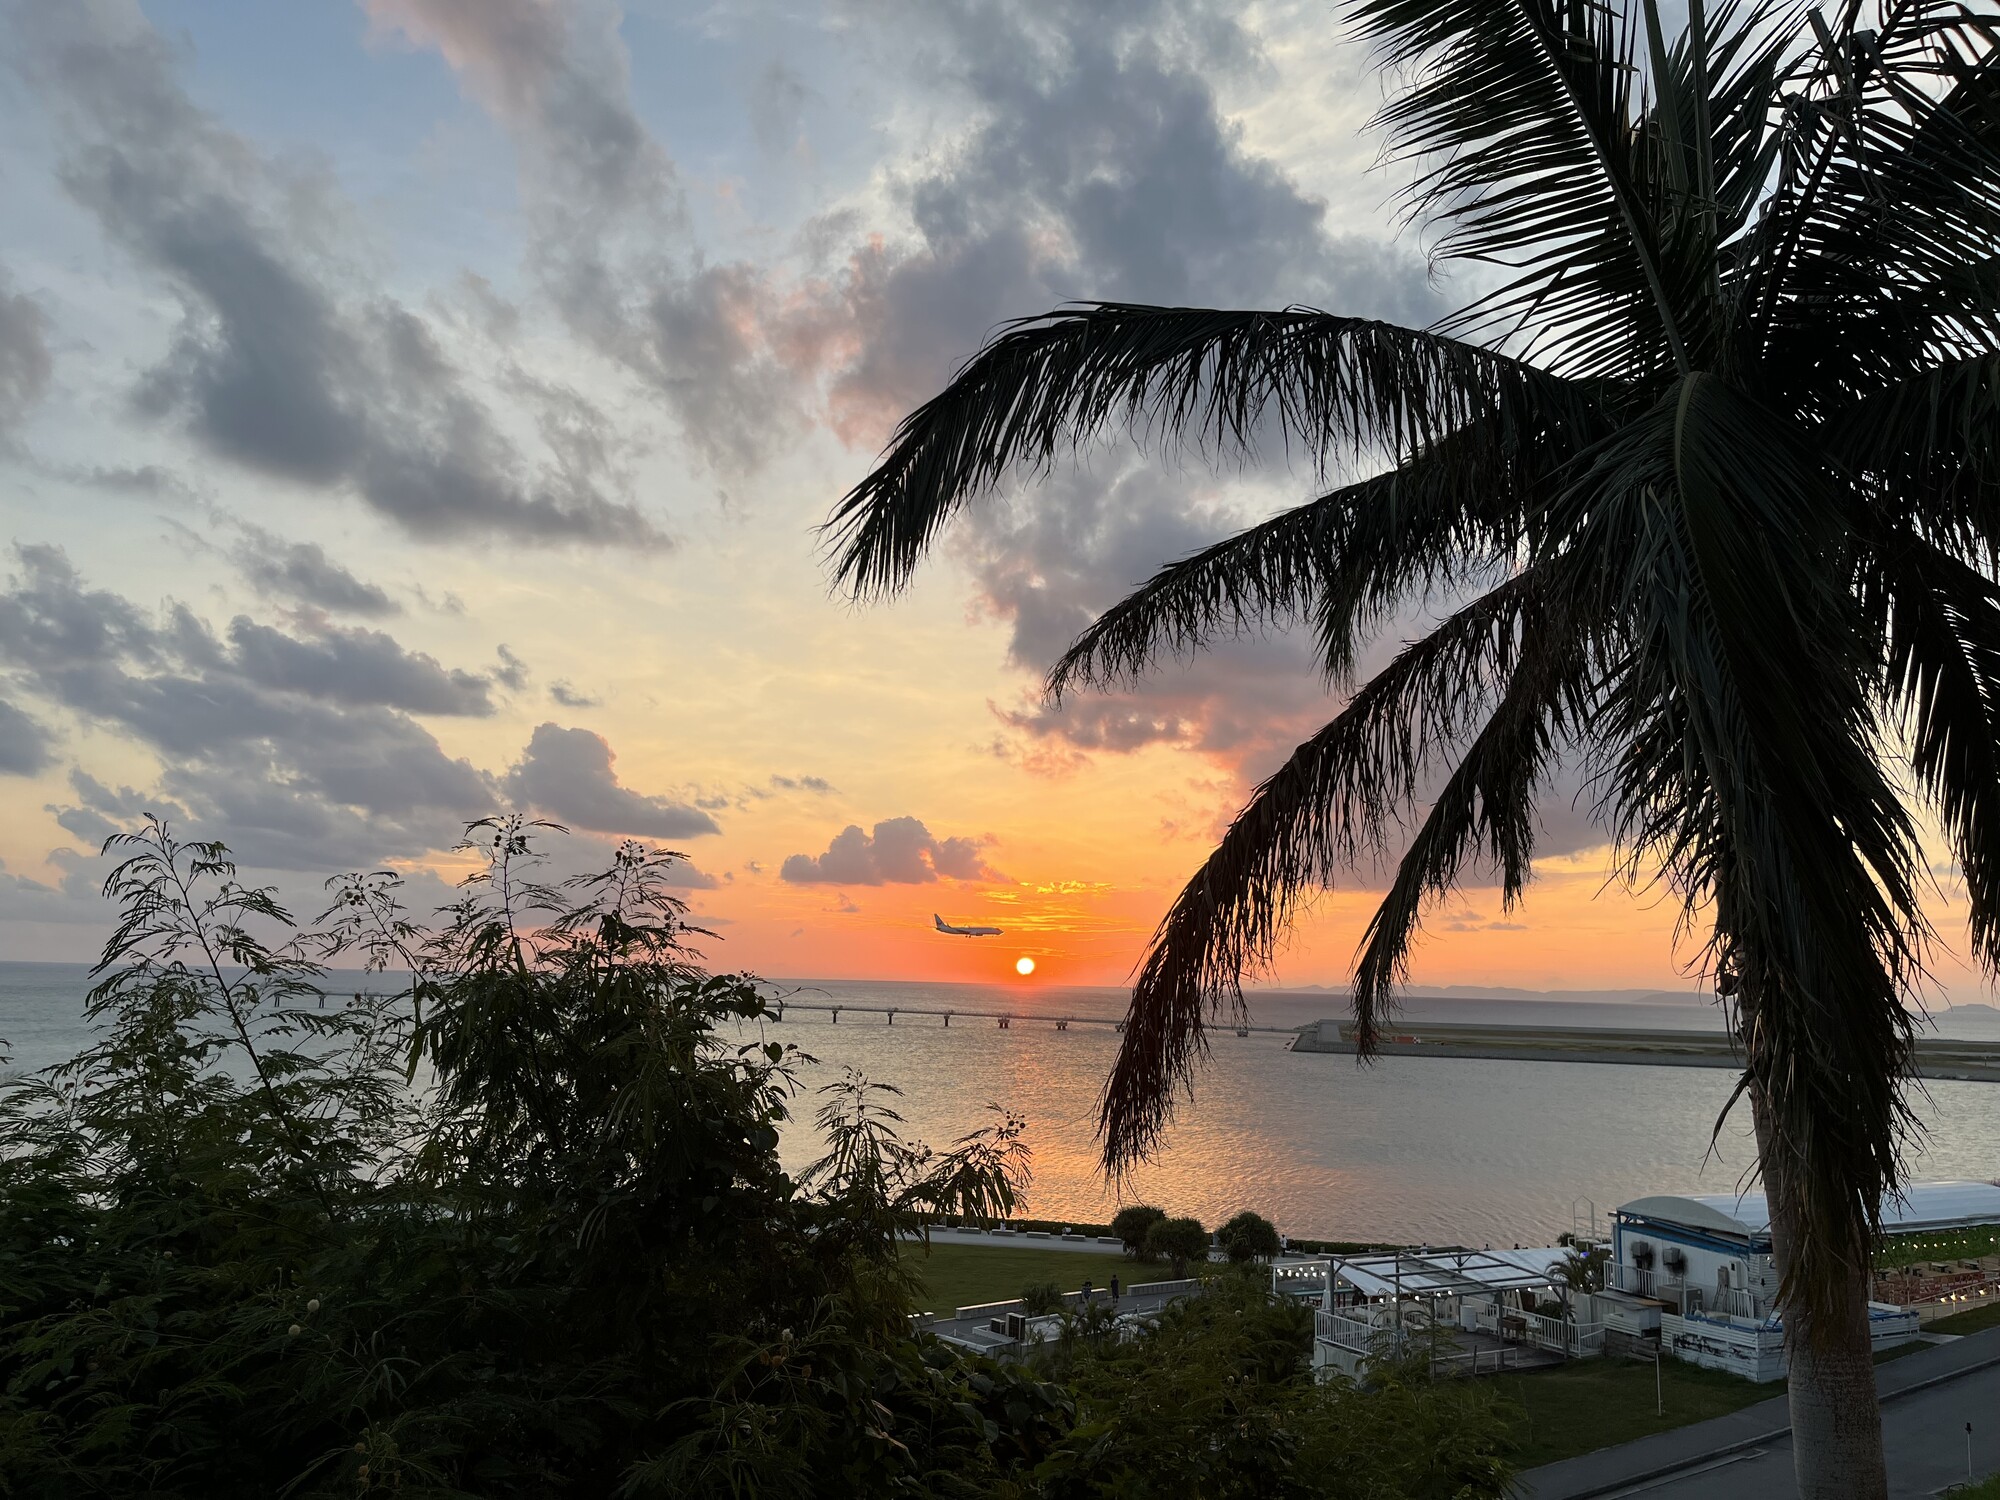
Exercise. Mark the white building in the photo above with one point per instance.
(1706, 1260)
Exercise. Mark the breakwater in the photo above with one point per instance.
(1936, 1057)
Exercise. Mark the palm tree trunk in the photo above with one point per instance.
(1836, 1418)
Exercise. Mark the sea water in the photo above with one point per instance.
(1444, 1150)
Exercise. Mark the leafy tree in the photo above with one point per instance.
(1248, 1236)
(1131, 1223)
(1710, 488)
(518, 1230)
(1218, 1401)
(1177, 1241)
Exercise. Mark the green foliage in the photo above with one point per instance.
(520, 1230)
(1248, 1236)
(1039, 1297)
(1131, 1224)
(1217, 1402)
(1177, 1241)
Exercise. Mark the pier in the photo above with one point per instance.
(1004, 1019)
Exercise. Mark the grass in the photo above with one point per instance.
(1592, 1404)
(1968, 1322)
(1979, 1489)
(1910, 1249)
(961, 1275)
(1579, 1408)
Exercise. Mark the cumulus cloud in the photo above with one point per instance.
(901, 851)
(25, 362)
(567, 774)
(279, 365)
(24, 743)
(302, 573)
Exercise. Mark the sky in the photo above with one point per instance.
(415, 409)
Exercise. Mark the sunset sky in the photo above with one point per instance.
(414, 408)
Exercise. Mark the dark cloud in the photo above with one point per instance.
(568, 697)
(300, 750)
(73, 899)
(276, 365)
(303, 573)
(512, 673)
(901, 851)
(25, 363)
(355, 666)
(25, 746)
(818, 785)
(567, 774)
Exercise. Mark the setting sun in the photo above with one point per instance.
(1024, 965)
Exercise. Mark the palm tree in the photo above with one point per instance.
(1712, 482)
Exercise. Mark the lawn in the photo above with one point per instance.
(961, 1275)
(1979, 1489)
(1578, 1408)
(1968, 1322)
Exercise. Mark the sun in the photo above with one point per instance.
(1024, 965)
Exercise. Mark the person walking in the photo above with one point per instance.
(1114, 1288)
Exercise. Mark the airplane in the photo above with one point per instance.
(944, 926)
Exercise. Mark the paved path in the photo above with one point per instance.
(1028, 1241)
(1928, 1397)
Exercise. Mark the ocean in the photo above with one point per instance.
(1453, 1151)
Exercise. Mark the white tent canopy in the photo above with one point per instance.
(1449, 1273)
(1924, 1207)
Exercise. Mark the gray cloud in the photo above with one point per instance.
(818, 785)
(274, 365)
(302, 572)
(1101, 167)
(607, 215)
(567, 774)
(568, 697)
(299, 749)
(25, 363)
(24, 743)
(901, 851)
(355, 666)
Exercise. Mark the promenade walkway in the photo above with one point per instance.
(1927, 1397)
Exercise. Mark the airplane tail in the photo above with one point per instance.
(939, 920)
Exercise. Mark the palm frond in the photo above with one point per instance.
(1449, 516)
(1331, 802)
(1943, 633)
(1174, 376)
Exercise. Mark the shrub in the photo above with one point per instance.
(245, 1258)
(1131, 1225)
(1248, 1236)
(1039, 1297)
(1177, 1241)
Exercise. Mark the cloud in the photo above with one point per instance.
(567, 774)
(569, 697)
(512, 673)
(277, 364)
(24, 743)
(901, 851)
(818, 785)
(25, 363)
(299, 749)
(302, 572)
(608, 217)
(1099, 165)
